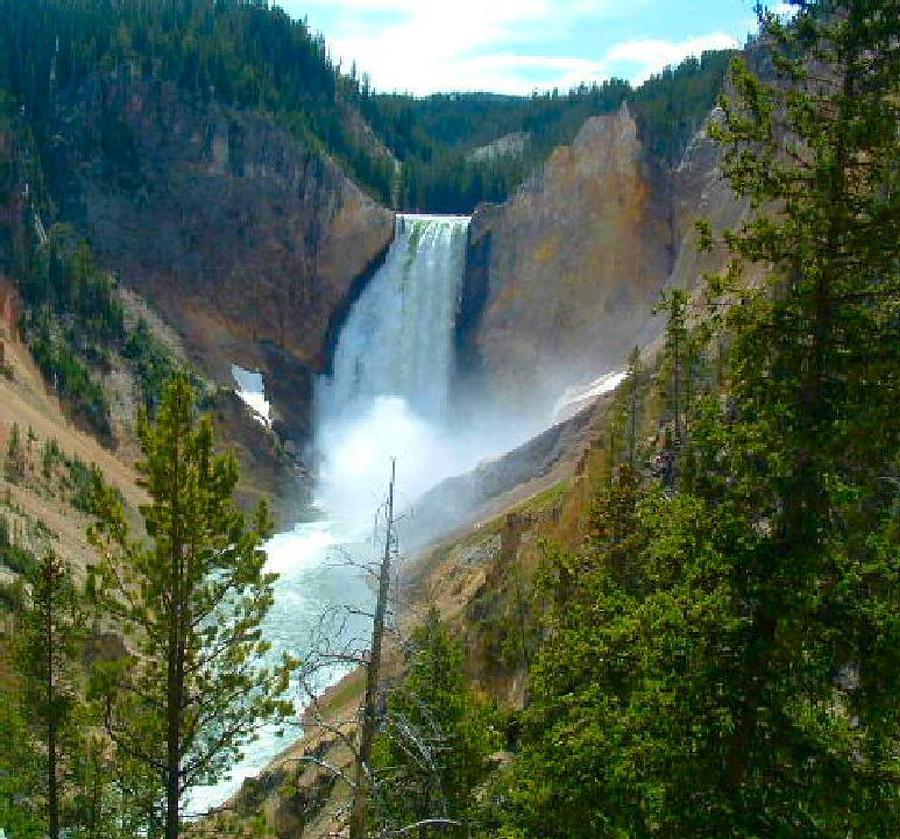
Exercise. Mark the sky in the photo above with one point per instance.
(516, 46)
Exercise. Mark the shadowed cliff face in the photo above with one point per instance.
(243, 239)
(569, 268)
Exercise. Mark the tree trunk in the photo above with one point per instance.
(632, 430)
(175, 672)
(677, 362)
(173, 765)
(362, 792)
(52, 770)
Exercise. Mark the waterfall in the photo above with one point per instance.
(398, 339)
(389, 395)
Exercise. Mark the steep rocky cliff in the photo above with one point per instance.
(569, 267)
(562, 279)
(247, 242)
(42, 498)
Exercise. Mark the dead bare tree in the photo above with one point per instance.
(362, 793)
(342, 740)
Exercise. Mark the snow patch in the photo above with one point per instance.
(252, 392)
(576, 399)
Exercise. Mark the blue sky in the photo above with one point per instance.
(514, 46)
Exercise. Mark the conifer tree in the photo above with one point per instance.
(432, 752)
(20, 773)
(48, 650)
(15, 456)
(813, 447)
(362, 794)
(722, 660)
(676, 360)
(633, 385)
(191, 597)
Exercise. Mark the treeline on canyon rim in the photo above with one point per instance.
(423, 154)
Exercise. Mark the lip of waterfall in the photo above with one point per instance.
(432, 217)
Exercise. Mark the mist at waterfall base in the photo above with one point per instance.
(390, 396)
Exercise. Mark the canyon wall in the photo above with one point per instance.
(243, 239)
(567, 269)
(562, 279)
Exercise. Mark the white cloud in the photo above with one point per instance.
(785, 9)
(650, 55)
(423, 46)
(450, 46)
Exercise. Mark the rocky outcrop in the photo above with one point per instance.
(569, 267)
(510, 145)
(698, 190)
(562, 279)
(243, 239)
(499, 484)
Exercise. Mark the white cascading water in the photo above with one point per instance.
(389, 395)
(388, 398)
(398, 339)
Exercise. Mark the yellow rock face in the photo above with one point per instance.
(577, 259)
(570, 267)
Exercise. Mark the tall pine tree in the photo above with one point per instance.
(48, 652)
(723, 660)
(191, 598)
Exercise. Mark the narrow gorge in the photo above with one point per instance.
(474, 354)
(390, 395)
(510, 455)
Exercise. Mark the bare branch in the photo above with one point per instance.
(412, 828)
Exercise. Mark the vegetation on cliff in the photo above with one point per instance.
(248, 56)
(109, 736)
(720, 657)
(438, 137)
(238, 53)
(72, 317)
(433, 753)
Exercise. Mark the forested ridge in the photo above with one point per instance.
(438, 138)
(232, 51)
(245, 55)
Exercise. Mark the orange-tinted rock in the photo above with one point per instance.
(575, 262)
(246, 241)
(562, 279)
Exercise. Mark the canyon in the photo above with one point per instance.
(480, 351)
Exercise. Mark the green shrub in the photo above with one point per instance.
(12, 557)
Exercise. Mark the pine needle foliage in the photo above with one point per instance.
(47, 650)
(191, 598)
(720, 659)
(435, 741)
